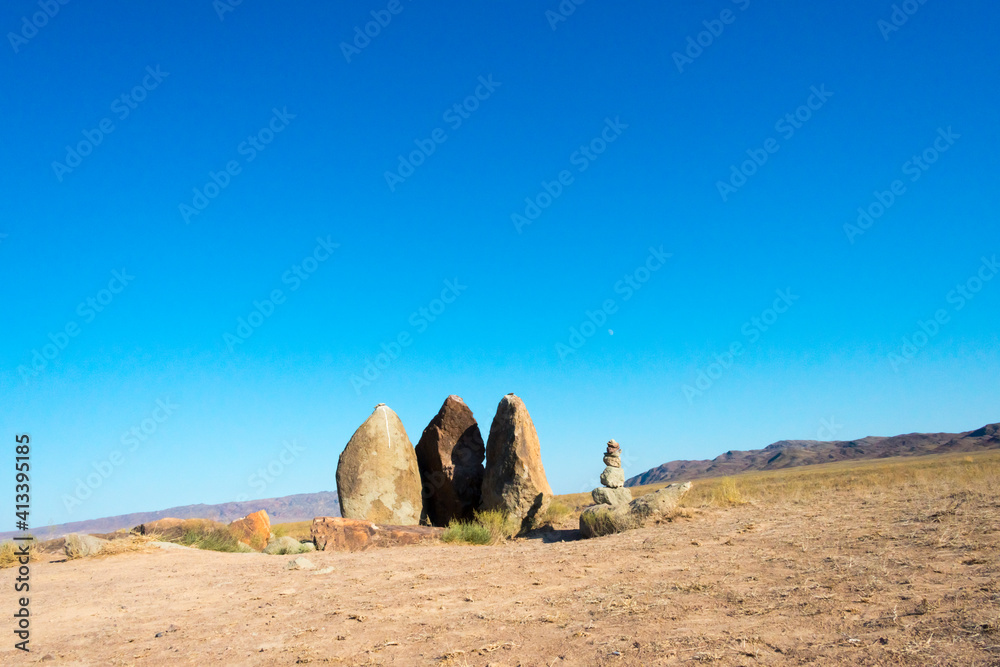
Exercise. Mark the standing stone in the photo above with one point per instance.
(377, 476)
(514, 480)
(450, 457)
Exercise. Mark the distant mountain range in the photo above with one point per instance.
(791, 453)
(300, 507)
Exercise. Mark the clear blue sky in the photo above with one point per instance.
(660, 131)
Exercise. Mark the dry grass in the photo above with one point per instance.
(929, 475)
(9, 551)
(300, 530)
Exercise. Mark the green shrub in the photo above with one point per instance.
(466, 532)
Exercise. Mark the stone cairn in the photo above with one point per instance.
(613, 492)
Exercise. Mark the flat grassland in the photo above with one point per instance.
(887, 562)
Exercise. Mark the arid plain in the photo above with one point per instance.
(887, 562)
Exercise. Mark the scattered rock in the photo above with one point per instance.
(659, 503)
(337, 534)
(325, 570)
(514, 480)
(281, 546)
(450, 458)
(81, 546)
(306, 547)
(300, 563)
(377, 474)
(172, 628)
(254, 529)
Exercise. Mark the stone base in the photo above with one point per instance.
(605, 496)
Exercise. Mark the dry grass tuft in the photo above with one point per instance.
(9, 551)
(608, 522)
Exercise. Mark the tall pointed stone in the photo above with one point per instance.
(514, 480)
(377, 476)
(450, 456)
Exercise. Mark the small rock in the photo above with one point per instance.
(306, 547)
(612, 461)
(282, 546)
(300, 563)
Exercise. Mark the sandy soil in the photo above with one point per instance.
(883, 581)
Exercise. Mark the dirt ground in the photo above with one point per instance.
(891, 579)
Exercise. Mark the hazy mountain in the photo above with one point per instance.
(300, 507)
(789, 453)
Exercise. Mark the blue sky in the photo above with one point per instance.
(614, 123)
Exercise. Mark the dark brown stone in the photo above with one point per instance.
(450, 457)
(337, 534)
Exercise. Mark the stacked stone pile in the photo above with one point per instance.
(613, 478)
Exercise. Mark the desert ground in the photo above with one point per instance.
(891, 562)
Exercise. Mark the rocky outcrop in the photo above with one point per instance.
(337, 534)
(660, 503)
(514, 480)
(450, 458)
(254, 530)
(606, 519)
(377, 475)
(613, 479)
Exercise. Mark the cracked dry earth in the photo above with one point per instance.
(888, 579)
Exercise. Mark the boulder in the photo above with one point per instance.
(612, 461)
(283, 545)
(659, 503)
(300, 563)
(514, 480)
(450, 458)
(601, 520)
(337, 534)
(81, 546)
(377, 474)
(605, 496)
(613, 478)
(254, 529)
